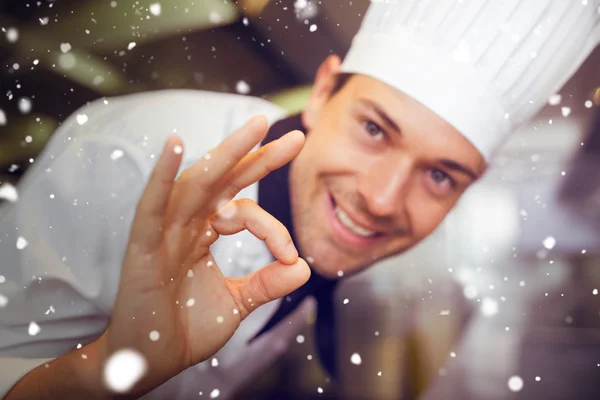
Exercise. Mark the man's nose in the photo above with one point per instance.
(384, 186)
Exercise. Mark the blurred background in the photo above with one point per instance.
(502, 302)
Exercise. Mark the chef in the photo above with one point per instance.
(392, 137)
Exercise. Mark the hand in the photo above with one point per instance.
(170, 283)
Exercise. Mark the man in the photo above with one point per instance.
(394, 136)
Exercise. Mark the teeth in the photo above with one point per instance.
(348, 223)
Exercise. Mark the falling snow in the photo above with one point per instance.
(33, 329)
(3, 301)
(549, 242)
(25, 105)
(2, 118)
(588, 104)
(489, 307)
(355, 359)
(242, 87)
(300, 339)
(214, 394)
(116, 154)
(555, 99)
(566, 111)
(154, 336)
(82, 119)
(155, 9)
(214, 362)
(515, 383)
(123, 370)
(65, 47)
(12, 35)
(21, 243)
(9, 192)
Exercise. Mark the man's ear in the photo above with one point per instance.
(321, 90)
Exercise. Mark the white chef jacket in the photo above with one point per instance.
(63, 241)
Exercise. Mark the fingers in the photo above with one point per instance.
(269, 283)
(258, 164)
(198, 182)
(246, 214)
(147, 225)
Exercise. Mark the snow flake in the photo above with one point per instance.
(220, 319)
(313, 28)
(2, 118)
(214, 362)
(595, 292)
(549, 242)
(155, 9)
(154, 336)
(9, 192)
(214, 394)
(21, 243)
(555, 99)
(33, 329)
(566, 111)
(131, 45)
(355, 359)
(588, 104)
(25, 105)
(116, 154)
(124, 369)
(489, 307)
(190, 303)
(320, 389)
(346, 301)
(65, 47)
(12, 35)
(515, 383)
(242, 87)
(215, 18)
(3, 301)
(300, 339)
(178, 149)
(82, 119)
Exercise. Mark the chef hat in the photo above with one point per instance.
(485, 66)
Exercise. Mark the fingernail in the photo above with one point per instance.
(290, 248)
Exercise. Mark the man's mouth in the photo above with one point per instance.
(347, 229)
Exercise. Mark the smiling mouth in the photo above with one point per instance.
(348, 223)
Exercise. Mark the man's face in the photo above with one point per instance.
(377, 174)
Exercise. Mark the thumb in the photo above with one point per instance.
(272, 282)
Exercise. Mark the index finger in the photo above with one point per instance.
(197, 185)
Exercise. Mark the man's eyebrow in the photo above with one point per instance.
(460, 168)
(381, 113)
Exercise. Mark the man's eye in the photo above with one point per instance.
(374, 130)
(440, 177)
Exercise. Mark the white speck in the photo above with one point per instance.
(245, 21)
(310, 260)
(34, 329)
(523, 213)
(2, 118)
(453, 355)
(67, 61)
(190, 302)
(236, 311)
(238, 244)
(470, 292)
(320, 389)
(3, 301)
(12, 35)
(65, 47)
(214, 394)
(113, 4)
(215, 18)
(79, 345)
(515, 383)
(21, 243)
(588, 104)
(209, 264)
(313, 28)
(340, 273)
(208, 233)
(379, 373)
(563, 173)
(124, 369)
(376, 333)
(555, 99)
(44, 20)
(9, 192)
(309, 357)
(300, 339)
(584, 2)
(214, 362)
(115, 155)
(131, 45)
(595, 292)
(98, 79)
(220, 319)
(242, 87)
(51, 196)
(346, 301)
(537, 379)
(522, 283)
(445, 312)
(82, 119)
(28, 139)
(489, 307)
(36, 61)
(566, 111)
(178, 149)
(507, 328)
(506, 116)
(550, 122)
(207, 156)
(355, 359)
(549, 242)
(154, 336)
(25, 105)
(155, 9)
(50, 310)
(84, 356)
(2, 279)
(583, 251)
(190, 273)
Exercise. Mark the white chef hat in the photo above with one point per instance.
(485, 66)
